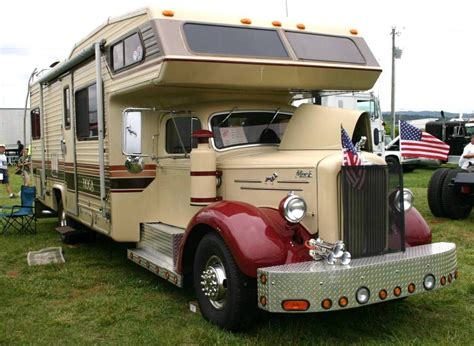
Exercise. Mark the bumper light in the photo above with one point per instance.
(326, 304)
(397, 291)
(293, 208)
(295, 305)
(362, 295)
(343, 301)
(383, 294)
(411, 288)
(429, 282)
(443, 280)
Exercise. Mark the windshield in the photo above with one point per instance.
(236, 128)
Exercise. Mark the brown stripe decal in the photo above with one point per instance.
(205, 173)
(135, 184)
(205, 200)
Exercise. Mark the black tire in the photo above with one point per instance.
(435, 188)
(453, 203)
(234, 303)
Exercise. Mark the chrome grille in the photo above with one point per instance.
(365, 209)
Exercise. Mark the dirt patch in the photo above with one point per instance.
(78, 293)
(13, 274)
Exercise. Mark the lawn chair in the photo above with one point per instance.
(20, 218)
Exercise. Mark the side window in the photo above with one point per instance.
(86, 113)
(127, 52)
(186, 126)
(67, 107)
(35, 124)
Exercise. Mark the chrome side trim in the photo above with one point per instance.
(267, 189)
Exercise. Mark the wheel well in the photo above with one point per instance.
(189, 251)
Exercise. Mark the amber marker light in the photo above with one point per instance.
(397, 291)
(450, 277)
(263, 300)
(411, 288)
(246, 21)
(263, 279)
(343, 301)
(276, 23)
(383, 294)
(301, 26)
(326, 304)
(295, 305)
(167, 13)
(354, 31)
(443, 280)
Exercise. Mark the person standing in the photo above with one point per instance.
(467, 157)
(19, 151)
(4, 171)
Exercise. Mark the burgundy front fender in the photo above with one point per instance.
(417, 231)
(256, 237)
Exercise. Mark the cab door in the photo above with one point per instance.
(68, 145)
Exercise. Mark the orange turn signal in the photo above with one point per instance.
(245, 21)
(326, 304)
(443, 280)
(411, 288)
(354, 31)
(276, 23)
(397, 291)
(343, 301)
(450, 277)
(263, 279)
(301, 26)
(383, 294)
(263, 300)
(295, 305)
(167, 13)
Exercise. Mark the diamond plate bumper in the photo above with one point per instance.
(315, 281)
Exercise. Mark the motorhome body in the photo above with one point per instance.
(224, 181)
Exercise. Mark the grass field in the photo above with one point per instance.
(98, 296)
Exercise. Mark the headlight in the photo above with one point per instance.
(293, 208)
(362, 295)
(429, 282)
(407, 200)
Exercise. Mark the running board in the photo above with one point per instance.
(156, 263)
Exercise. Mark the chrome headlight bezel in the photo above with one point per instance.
(408, 200)
(293, 208)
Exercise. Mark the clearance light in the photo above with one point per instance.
(167, 13)
(343, 301)
(450, 277)
(443, 280)
(326, 304)
(295, 305)
(465, 189)
(429, 282)
(263, 279)
(362, 295)
(263, 300)
(397, 291)
(411, 288)
(276, 23)
(301, 26)
(245, 21)
(383, 294)
(354, 31)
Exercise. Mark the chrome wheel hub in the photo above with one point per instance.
(214, 282)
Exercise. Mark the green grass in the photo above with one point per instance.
(100, 297)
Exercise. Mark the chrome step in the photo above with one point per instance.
(156, 263)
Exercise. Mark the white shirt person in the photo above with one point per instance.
(467, 157)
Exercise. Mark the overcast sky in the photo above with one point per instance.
(436, 70)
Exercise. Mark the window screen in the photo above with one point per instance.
(67, 107)
(249, 127)
(186, 126)
(86, 113)
(127, 52)
(324, 48)
(227, 40)
(35, 124)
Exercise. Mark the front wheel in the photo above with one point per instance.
(226, 296)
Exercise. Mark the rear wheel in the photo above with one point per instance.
(435, 188)
(226, 296)
(453, 203)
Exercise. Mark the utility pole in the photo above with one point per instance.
(396, 54)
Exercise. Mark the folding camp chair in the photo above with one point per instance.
(20, 218)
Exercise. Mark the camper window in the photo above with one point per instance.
(86, 113)
(186, 126)
(67, 108)
(35, 124)
(127, 52)
(228, 40)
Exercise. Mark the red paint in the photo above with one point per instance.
(256, 237)
(417, 231)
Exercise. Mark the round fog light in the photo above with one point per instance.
(362, 295)
(429, 282)
(293, 208)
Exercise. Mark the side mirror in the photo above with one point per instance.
(132, 133)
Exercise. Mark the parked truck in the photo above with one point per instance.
(174, 130)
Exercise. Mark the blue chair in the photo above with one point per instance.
(20, 218)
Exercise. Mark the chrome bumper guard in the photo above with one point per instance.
(323, 287)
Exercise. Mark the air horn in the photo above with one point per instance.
(333, 253)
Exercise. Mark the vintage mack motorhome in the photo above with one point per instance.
(174, 130)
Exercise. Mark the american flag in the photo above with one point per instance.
(417, 143)
(350, 157)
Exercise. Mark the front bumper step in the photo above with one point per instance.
(316, 281)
